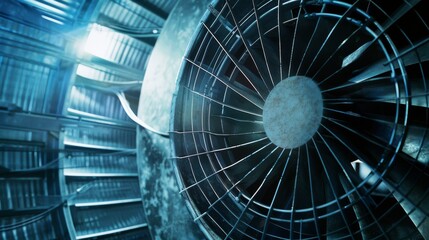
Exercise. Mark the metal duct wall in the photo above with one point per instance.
(68, 165)
(345, 155)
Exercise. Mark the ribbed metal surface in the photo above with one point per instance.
(96, 160)
(59, 11)
(30, 156)
(96, 104)
(103, 74)
(97, 221)
(67, 149)
(23, 193)
(100, 163)
(116, 47)
(130, 16)
(100, 138)
(105, 190)
(40, 229)
(166, 5)
(29, 52)
(108, 202)
(28, 204)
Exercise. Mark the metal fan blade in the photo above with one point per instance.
(408, 180)
(412, 55)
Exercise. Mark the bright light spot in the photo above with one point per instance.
(52, 20)
(85, 71)
(365, 172)
(155, 31)
(100, 42)
(357, 161)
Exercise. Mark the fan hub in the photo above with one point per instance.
(293, 111)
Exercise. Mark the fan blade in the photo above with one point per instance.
(370, 228)
(236, 87)
(259, 61)
(409, 181)
(416, 144)
(413, 55)
(237, 173)
(340, 221)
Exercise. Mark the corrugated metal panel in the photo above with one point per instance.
(60, 12)
(41, 229)
(18, 85)
(165, 5)
(23, 193)
(19, 157)
(103, 75)
(116, 47)
(131, 15)
(104, 220)
(104, 191)
(33, 136)
(22, 150)
(31, 33)
(101, 164)
(100, 104)
(100, 138)
(133, 234)
(35, 71)
(29, 61)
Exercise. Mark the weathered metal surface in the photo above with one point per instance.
(159, 82)
(166, 210)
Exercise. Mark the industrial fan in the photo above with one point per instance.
(306, 120)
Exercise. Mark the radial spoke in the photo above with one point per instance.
(237, 119)
(217, 134)
(254, 194)
(340, 20)
(401, 11)
(222, 149)
(280, 41)
(415, 54)
(346, 168)
(330, 182)
(313, 204)
(295, 187)
(256, 60)
(270, 209)
(363, 212)
(263, 44)
(373, 141)
(222, 103)
(379, 67)
(356, 115)
(311, 39)
(325, 63)
(251, 78)
(387, 113)
(409, 180)
(227, 167)
(408, 189)
(234, 86)
(293, 39)
(235, 185)
(352, 100)
(347, 179)
(355, 84)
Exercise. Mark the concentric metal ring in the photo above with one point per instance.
(350, 179)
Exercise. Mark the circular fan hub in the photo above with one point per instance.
(293, 111)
